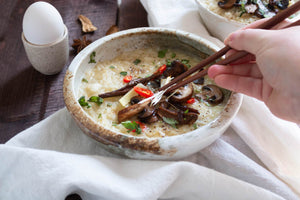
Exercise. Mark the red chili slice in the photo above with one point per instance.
(127, 79)
(162, 68)
(191, 101)
(143, 92)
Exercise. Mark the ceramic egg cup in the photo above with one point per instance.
(50, 58)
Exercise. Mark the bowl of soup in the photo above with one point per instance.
(224, 17)
(109, 85)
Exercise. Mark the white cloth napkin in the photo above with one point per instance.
(54, 158)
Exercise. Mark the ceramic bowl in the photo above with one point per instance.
(219, 26)
(174, 147)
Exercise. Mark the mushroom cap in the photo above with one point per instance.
(183, 93)
(212, 94)
(226, 4)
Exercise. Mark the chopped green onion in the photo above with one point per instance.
(137, 61)
(109, 105)
(84, 80)
(92, 57)
(168, 62)
(195, 126)
(99, 116)
(83, 103)
(123, 73)
(186, 111)
(112, 67)
(173, 55)
(185, 61)
(162, 53)
(96, 99)
(114, 123)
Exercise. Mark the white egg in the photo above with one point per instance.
(42, 24)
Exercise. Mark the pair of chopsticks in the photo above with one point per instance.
(177, 83)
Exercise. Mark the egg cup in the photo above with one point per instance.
(50, 58)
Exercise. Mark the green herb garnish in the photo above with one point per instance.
(173, 55)
(131, 126)
(96, 99)
(99, 116)
(123, 73)
(186, 111)
(172, 122)
(168, 62)
(243, 9)
(108, 104)
(114, 123)
(112, 67)
(162, 53)
(195, 126)
(92, 57)
(84, 80)
(83, 103)
(137, 61)
(185, 61)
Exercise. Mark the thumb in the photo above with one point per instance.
(250, 40)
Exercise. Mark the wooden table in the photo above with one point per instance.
(27, 96)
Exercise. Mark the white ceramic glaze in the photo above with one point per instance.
(218, 26)
(50, 58)
(167, 148)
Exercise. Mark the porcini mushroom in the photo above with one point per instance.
(132, 110)
(225, 4)
(212, 94)
(183, 93)
(175, 69)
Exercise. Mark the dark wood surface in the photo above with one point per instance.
(27, 96)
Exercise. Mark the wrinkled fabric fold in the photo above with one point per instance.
(54, 158)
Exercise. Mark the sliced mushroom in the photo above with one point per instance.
(281, 4)
(225, 4)
(136, 99)
(148, 115)
(185, 108)
(149, 120)
(179, 116)
(175, 69)
(147, 112)
(132, 110)
(199, 81)
(212, 94)
(263, 11)
(183, 93)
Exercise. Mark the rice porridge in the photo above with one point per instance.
(235, 13)
(111, 75)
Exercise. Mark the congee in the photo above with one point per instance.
(247, 11)
(113, 93)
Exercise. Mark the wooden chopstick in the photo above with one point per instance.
(236, 56)
(266, 25)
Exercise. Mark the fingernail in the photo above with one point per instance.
(230, 38)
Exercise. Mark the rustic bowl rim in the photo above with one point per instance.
(140, 144)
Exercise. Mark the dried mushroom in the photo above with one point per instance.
(86, 23)
(212, 94)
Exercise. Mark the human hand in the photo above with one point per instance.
(271, 72)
